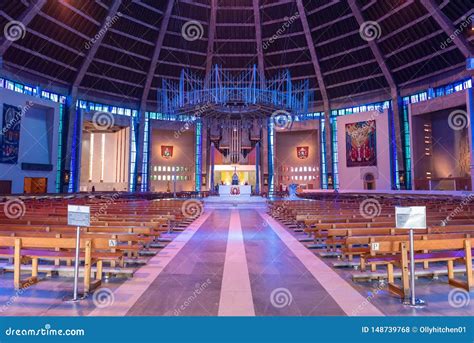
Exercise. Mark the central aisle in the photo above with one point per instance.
(190, 284)
(281, 285)
(238, 262)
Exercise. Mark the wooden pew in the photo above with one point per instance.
(437, 250)
(35, 248)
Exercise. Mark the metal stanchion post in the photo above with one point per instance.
(414, 302)
(76, 263)
(78, 216)
(411, 218)
(412, 269)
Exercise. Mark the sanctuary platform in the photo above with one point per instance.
(233, 201)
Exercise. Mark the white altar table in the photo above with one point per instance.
(242, 190)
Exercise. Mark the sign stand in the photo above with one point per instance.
(413, 302)
(78, 216)
(411, 218)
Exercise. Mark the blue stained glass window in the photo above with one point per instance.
(145, 154)
(133, 154)
(271, 156)
(198, 155)
(324, 173)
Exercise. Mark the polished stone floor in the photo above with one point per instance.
(272, 266)
(233, 261)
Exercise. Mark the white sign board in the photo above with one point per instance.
(78, 215)
(413, 217)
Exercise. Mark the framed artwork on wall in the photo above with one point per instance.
(361, 145)
(10, 140)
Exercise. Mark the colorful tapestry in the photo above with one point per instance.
(361, 144)
(10, 134)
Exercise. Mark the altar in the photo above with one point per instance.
(237, 190)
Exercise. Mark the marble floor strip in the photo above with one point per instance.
(236, 293)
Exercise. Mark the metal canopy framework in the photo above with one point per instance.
(225, 93)
(274, 35)
(248, 56)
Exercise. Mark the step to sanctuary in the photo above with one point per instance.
(235, 202)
